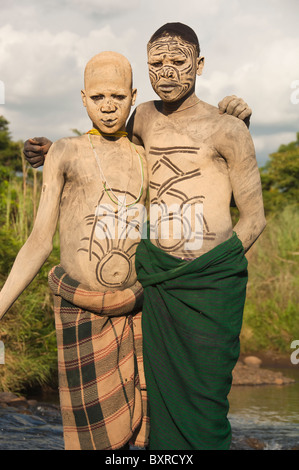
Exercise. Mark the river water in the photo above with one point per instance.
(262, 417)
(266, 416)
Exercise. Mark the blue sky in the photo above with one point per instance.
(251, 49)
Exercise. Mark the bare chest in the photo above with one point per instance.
(182, 160)
(102, 174)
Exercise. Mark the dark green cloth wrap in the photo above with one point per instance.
(191, 320)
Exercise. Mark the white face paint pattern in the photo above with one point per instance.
(172, 67)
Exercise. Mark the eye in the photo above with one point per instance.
(156, 64)
(97, 97)
(119, 97)
(178, 62)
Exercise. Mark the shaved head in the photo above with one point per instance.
(110, 64)
(108, 95)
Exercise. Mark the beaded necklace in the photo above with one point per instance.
(106, 185)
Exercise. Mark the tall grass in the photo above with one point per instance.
(271, 316)
(27, 330)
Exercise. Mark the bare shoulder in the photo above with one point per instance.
(233, 140)
(146, 112)
(228, 131)
(223, 120)
(62, 150)
(233, 124)
(66, 143)
(208, 108)
(140, 119)
(146, 107)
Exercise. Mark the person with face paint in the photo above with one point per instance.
(192, 266)
(36, 149)
(88, 186)
(196, 158)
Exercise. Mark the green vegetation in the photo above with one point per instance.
(271, 320)
(280, 178)
(271, 309)
(28, 330)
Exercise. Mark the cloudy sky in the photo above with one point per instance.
(251, 49)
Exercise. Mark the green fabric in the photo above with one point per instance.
(191, 321)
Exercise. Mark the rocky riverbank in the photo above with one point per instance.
(250, 371)
(27, 406)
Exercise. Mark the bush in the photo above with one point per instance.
(271, 308)
(27, 330)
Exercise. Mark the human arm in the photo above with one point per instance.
(236, 107)
(35, 150)
(238, 149)
(38, 246)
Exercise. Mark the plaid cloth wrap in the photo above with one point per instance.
(101, 380)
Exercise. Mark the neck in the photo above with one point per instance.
(184, 103)
(117, 134)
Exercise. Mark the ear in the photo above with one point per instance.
(200, 65)
(83, 96)
(134, 96)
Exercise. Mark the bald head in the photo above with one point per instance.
(108, 64)
(108, 95)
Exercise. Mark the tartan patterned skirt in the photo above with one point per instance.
(101, 380)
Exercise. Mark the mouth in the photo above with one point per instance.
(166, 87)
(109, 122)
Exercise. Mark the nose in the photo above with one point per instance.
(107, 106)
(167, 72)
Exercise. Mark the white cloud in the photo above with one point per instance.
(41, 64)
(264, 82)
(251, 50)
(102, 6)
(43, 74)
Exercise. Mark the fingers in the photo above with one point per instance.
(37, 144)
(36, 164)
(31, 145)
(31, 150)
(222, 105)
(34, 159)
(40, 140)
(34, 152)
(235, 107)
(245, 114)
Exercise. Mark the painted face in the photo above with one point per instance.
(173, 65)
(108, 98)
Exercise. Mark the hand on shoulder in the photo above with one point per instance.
(237, 107)
(35, 150)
